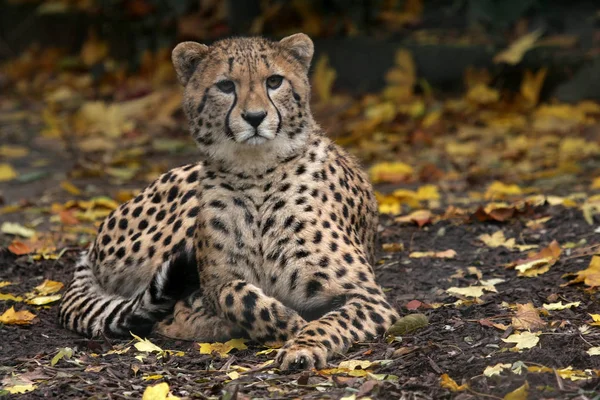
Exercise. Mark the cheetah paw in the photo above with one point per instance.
(295, 357)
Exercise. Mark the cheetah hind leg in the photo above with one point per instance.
(192, 320)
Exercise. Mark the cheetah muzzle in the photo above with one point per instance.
(270, 235)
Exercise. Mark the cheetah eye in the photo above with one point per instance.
(274, 81)
(226, 86)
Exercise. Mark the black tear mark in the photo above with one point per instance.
(230, 60)
(228, 130)
(295, 94)
(278, 113)
(203, 101)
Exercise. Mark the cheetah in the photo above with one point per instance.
(271, 235)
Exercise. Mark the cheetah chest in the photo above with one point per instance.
(256, 230)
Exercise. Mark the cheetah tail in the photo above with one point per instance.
(87, 309)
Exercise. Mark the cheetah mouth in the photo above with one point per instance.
(256, 140)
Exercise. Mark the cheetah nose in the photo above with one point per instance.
(254, 118)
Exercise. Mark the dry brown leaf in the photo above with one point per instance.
(527, 317)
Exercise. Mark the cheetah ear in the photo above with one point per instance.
(300, 46)
(185, 57)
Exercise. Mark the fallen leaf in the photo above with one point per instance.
(517, 49)
(354, 364)
(560, 305)
(70, 188)
(595, 320)
(520, 393)
(145, 345)
(323, 78)
(43, 300)
(471, 291)
(408, 324)
(392, 247)
(65, 352)
(49, 287)
(7, 172)
(436, 254)
(497, 239)
(538, 263)
(13, 228)
(20, 389)
(448, 383)
(10, 151)
(498, 190)
(531, 86)
(19, 248)
(158, 392)
(593, 351)
(10, 297)
(222, 348)
(5, 283)
(420, 217)
(589, 276)
(495, 369)
(527, 317)
(12, 317)
(390, 172)
(523, 340)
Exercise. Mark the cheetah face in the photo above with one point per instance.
(247, 96)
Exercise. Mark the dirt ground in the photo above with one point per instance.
(460, 339)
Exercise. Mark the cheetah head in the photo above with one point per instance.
(247, 99)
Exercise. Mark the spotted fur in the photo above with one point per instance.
(271, 235)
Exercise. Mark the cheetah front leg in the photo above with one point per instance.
(366, 314)
(263, 318)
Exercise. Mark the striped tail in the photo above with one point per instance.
(87, 309)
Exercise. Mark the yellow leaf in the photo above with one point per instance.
(145, 345)
(152, 377)
(8, 296)
(43, 300)
(393, 247)
(449, 383)
(233, 375)
(19, 389)
(471, 291)
(65, 352)
(69, 187)
(595, 183)
(381, 112)
(222, 348)
(10, 151)
(595, 320)
(482, 94)
(517, 49)
(5, 283)
(539, 263)
(593, 351)
(7, 172)
(401, 78)
(158, 392)
(531, 85)
(520, 393)
(323, 78)
(390, 172)
(560, 305)
(13, 228)
(523, 340)
(408, 324)
(527, 317)
(49, 287)
(589, 276)
(439, 254)
(354, 364)
(499, 190)
(12, 317)
(93, 50)
(497, 239)
(496, 369)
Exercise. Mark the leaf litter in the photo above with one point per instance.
(477, 192)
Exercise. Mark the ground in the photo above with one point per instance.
(447, 172)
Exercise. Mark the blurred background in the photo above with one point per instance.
(451, 97)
